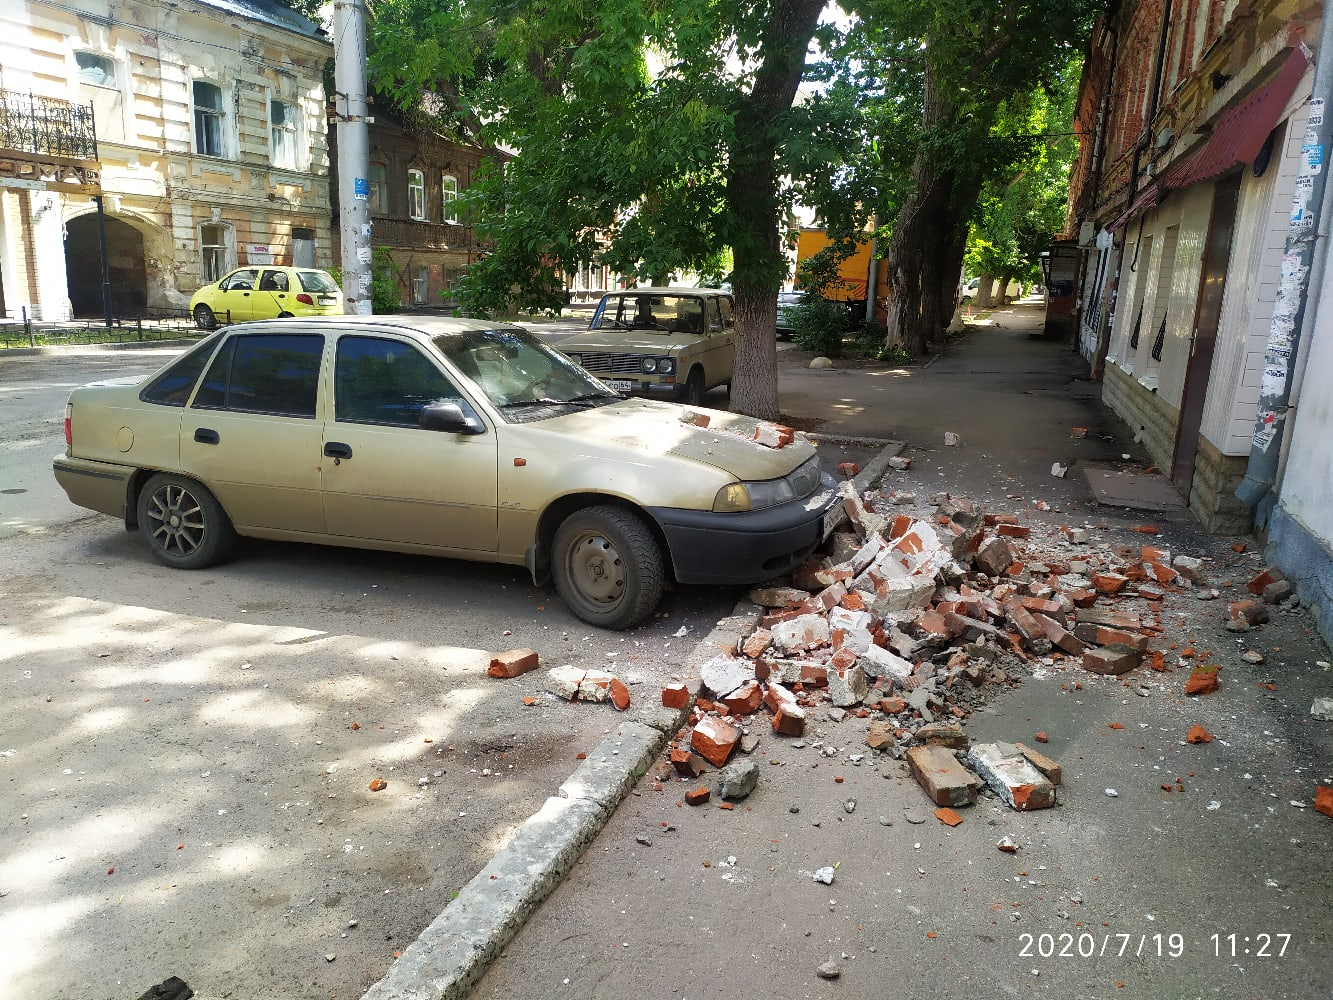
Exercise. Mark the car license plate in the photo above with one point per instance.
(620, 385)
(831, 518)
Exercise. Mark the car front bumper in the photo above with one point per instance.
(750, 546)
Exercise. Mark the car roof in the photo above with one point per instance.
(428, 326)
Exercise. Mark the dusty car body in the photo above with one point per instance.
(664, 343)
(450, 437)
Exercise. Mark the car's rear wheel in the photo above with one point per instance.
(285, 315)
(607, 567)
(694, 388)
(185, 526)
(204, 318)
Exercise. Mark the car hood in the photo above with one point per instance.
(633, 341)
(654, 427)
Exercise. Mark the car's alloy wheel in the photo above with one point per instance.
(607, 567)
(204, 318)
(185, 525)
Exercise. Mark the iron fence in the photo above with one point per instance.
(152, 326)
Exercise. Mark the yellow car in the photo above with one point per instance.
(443, 436)
(266, 293)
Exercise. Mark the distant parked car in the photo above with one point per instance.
(969, 293)
(787, 305)
(266, 293)
(667, 343)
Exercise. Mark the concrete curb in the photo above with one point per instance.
(454, 951)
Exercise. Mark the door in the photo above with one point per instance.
(720, 341)
(252, 435)
(1203, 340)
(235, 300)
(386, 479)
(303, 247)
(274, 294)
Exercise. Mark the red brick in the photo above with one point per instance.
(994, 557)
(1060, 636)
(946, 781)
(619, 694)
(1051, 609)
(1083, 598)
(1151, 553)
(880, 735)
(714, 740)
(687, 763)
(1160, 573)
(1251, 611)
(843, 658)
(1114, 659)
(853, 601)
(1323, 800)
(698, 796)
(892, 706)
(675, 696)
(1202, 681)
(1013, 530)
(1197, 734)
(1146, 529)
(758, 642)
(745, 700)
(1100, 635)
(1022, 619)
(1109, 583)
(813, 676)
(1108, 619)
(848, 469)
(513, 662)
(932, 622)
(948, 816)
(1257, 584)
(789, 719)
(992, 520)
(1051, 769)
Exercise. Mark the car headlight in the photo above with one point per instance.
(649, 365)
(666, 366)
(796, 485)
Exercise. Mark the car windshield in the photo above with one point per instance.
(520, 375)
(316, 281)
(660, 313)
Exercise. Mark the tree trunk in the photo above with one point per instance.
(985, 286)
(752, 196)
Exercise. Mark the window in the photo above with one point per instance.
(213, 242)
(208, 119)
(94, 69)
(385, 382)
(379, 190)
(416, 194)
(284, 131)
(173, 386)
(420, 286)
(241, 281)
(448, 195)
(264, 374)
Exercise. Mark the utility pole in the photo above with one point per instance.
(349, 81)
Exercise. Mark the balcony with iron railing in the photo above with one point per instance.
(423, 235)
(47, 126)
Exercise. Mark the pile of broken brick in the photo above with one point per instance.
(907, 623)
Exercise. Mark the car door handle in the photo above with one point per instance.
(205, 436)
(336, 449)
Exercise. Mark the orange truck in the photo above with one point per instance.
(854, 272)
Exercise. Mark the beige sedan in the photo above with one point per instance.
(451, 437)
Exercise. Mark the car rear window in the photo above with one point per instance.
(174, 385)
(316, 281)
(259, 373)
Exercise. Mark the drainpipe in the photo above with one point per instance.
(1304, 245)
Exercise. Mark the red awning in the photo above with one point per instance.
(1240, 133)
(1147, 198)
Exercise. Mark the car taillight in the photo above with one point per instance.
(69, 437)
(303, 297)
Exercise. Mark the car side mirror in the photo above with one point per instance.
(450, 418)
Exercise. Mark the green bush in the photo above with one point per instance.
(820, 326)
(384, 297)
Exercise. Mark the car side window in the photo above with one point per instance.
(264, 373)
(378, 381)
(173, 386)
(240, 281)
(273, 281)
(724, 305)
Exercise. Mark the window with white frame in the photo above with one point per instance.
(216, 250)
(379, 189)
(420, 286)
(210, 119)
(99, 86)
(416, 194)
(284, 134)
(96, 69)
(449, 195)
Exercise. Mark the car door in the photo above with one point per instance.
(385, 479)
(273, 294)
(235, 301)
(719, 341)
(252, 432)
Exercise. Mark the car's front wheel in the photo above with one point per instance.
(694, 388)
(204, 318)
(607, 566)
(185, 526)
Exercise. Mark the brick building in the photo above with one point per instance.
(1192, 115)
(199, 124)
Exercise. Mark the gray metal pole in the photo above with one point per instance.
(1289, 304)
(106, 266)
(349, 81)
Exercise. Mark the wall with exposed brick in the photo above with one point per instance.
(1152, 419)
